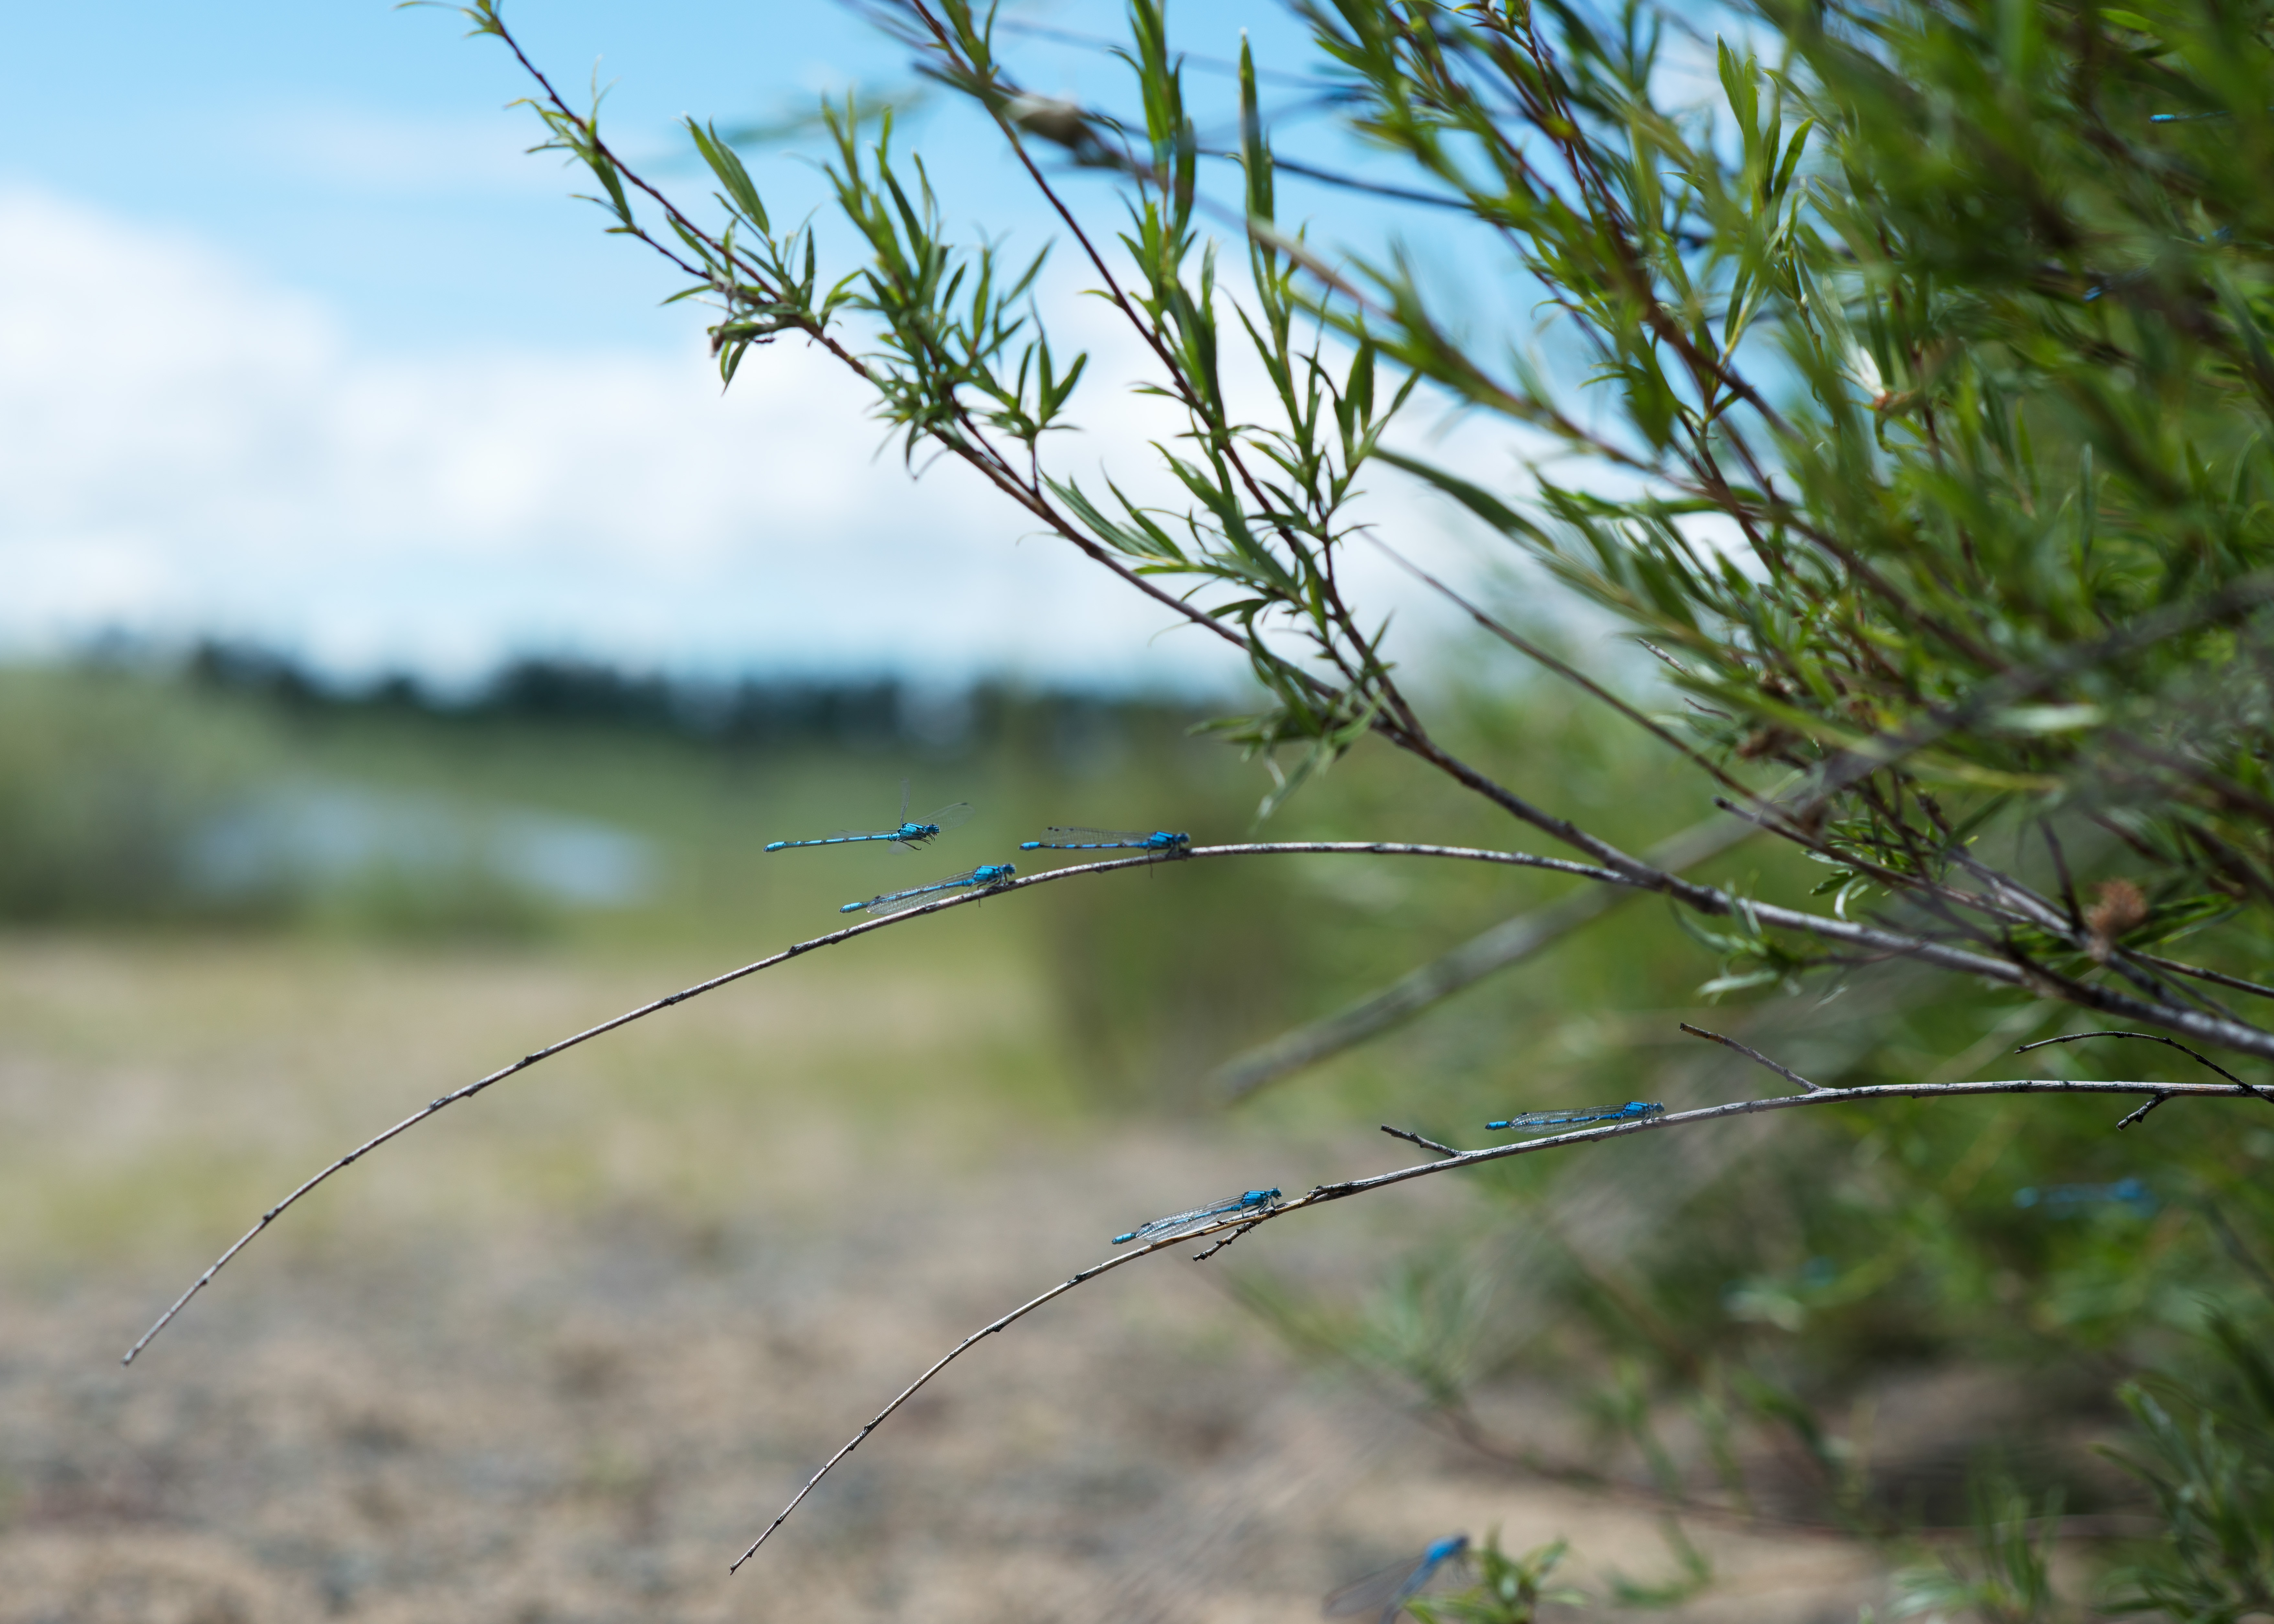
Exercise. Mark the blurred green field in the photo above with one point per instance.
(112, 784)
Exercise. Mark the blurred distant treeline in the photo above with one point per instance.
(857, 713)
(234, 784)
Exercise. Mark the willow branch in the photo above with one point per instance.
(970, 446)
(1453, 1159)
(798, 949)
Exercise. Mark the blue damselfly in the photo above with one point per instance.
(1385, 1594)
(1068, 838)
(1245, 1201)
(1572, 1120)
(986, 877)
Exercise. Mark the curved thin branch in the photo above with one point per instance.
(1348, 847)
(1237, 1223)
(2150, 1037)
(1867, 939)
(1756, 1058)
(1321, 1194)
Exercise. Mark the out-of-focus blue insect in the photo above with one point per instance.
(1065, 838)
(986, 877)
(1245, 1201)
(1572, 1120)
(2065, 1198)
(912, 833)
(1384, 1594)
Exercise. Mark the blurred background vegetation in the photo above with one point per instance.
(1877, 1321)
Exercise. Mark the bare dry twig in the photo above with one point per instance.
(799, 949)
(1415, 1139)
(2150, 1037)
(1755, 1055)
(1868, 938)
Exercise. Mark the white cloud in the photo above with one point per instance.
(186, 448)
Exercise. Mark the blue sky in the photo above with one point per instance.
(297, 345)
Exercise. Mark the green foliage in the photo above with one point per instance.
(2208, 1457)
(1994, 549)
(2009, 1577)
(1918, 406)
(1509, 1589)
(101, 775)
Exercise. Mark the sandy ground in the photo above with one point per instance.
(563, 1360)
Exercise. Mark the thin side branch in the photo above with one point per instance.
(1759, 1058)
(1238, 1222)
(2130, 1118)
(2216, 977)
(1242, 1223)
(1415, 1139)
(1869, 940)
(799, 949)
(2150, 1037)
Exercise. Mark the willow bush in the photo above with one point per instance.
(1905, 394)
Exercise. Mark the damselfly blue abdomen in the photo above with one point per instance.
(1572, 1120)
(1385, 1593)
(1068, 837)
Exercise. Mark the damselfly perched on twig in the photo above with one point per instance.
(1245, 1201)
(986, 877)
(1070, 837)
(1572, 1120)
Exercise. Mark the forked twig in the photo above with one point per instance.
(1755, 1055)
(1209, 1251)
(1869, 937)
(2151, 1037)
(1240, 1224)
(2129, 1117)
(1415, 1139)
